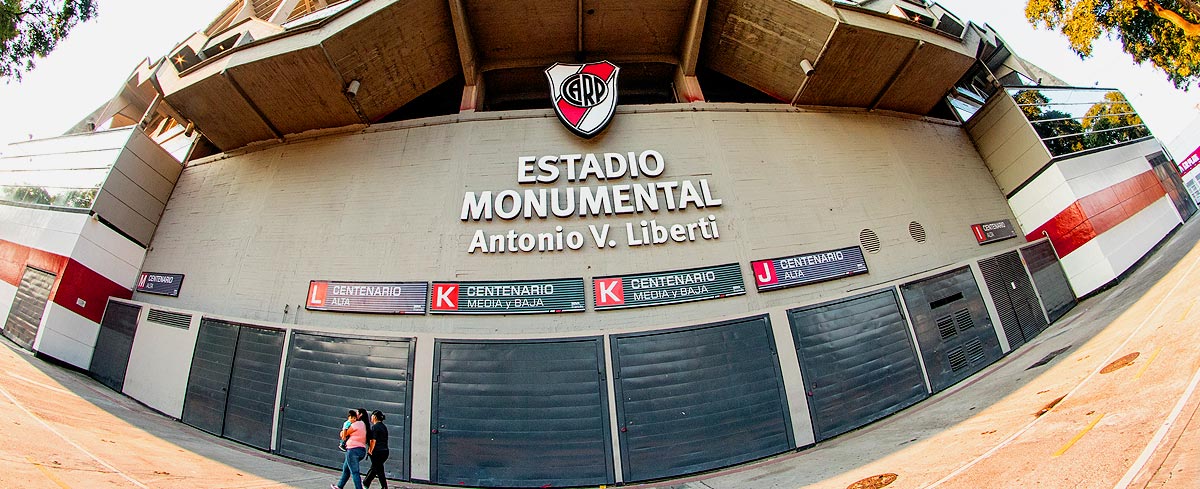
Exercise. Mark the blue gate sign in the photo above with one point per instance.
(659, 288)
(160, 283)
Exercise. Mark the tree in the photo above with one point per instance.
(1163, 32)
(30, 29)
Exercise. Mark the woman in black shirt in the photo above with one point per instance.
(377, 448)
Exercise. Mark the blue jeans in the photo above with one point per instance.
(350, 467)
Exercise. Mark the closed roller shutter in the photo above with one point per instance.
(858, 361)
(1052, 285)
(954, 331)
(1012, 293)
(113, 344)
(234, 377)
(250, 410)
(699, 398)
(520, 414)
(208, 383)
(25, 317)
(328, 375)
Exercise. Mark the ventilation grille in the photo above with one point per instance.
(917, 231)
(963, 319)
(974, 351)
(958, 359)
(945, 326)
(166, 318)
(869, 240)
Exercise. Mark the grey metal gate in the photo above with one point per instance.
(234, 376)
(325, 376)
(858, 361)
(1016, 302)
(1172, 182)
(699, 398)
(114, 342)
(1049, 278)
(520, 414)
(25, 317)
(954, 331)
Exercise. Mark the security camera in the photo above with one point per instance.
(807, 66)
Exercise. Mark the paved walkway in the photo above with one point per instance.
(1115, 407)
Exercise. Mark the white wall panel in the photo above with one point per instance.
(8, 292)
(159, 364)
(1042, 199)
(76, 143)
(109, 254)
(67, 336)
(1087, 268)
(51, 231)
(1129, 241)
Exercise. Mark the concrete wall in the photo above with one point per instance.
(1009, 146)
(250, 231)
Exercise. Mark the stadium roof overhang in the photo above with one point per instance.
(274, 82)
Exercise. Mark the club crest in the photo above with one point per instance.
(584, 95)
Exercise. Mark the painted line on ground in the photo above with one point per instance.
(69, 441)
(1158, 436)
(49, 475)
(1078, 436)
(1147, 364)
(1145, 319)
(40, 384)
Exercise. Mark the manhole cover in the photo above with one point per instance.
(1119, 363)
(874, 482)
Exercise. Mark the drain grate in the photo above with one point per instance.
(1046, 359)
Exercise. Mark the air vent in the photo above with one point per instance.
(945, 326)
(917, 231)
(869, 240)
(974, 351)
(958, 359)
(166, 318)
(963, 319)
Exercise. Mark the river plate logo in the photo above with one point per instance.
(584, 95)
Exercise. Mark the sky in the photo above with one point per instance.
(89, 67)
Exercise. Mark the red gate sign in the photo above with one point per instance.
(608, 292)
(445, 297)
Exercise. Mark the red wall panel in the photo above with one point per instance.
(1099, 212)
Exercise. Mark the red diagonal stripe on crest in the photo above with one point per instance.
(570, 112)
(602, 70)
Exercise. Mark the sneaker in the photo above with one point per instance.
(331, 486)
(342, 448)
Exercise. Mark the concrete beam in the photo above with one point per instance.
(687, 87)
(466, 44)
(689, 49)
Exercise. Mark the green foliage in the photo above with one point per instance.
(31, 29)
(1144, 34)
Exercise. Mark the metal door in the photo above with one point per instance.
(954, 331)
(858, 361)
(208, 382)
(520, 414)
(254, 380)
(234, 377)
(25, 317)
(1049, 279)
(1016, 302)
(110, 359)
(699, 398)
(327, 375)
(1168, 175)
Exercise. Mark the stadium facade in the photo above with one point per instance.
(571, 243)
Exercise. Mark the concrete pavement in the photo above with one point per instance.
(1068, 422)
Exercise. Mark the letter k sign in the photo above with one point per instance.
(609, 292)
(445, 297)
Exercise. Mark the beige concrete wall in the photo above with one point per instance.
(1009, 146)
(250, 231)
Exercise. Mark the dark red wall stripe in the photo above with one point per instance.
(74, 280)
(1099, 212)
